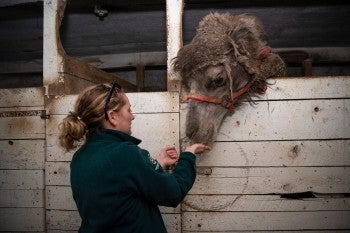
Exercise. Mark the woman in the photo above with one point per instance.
(117, 186)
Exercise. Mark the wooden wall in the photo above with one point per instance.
(22, 160)
(281, 165)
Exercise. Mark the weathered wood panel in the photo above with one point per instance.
(70, 220)
(302, 119)
(61, 198)
(21, 198)
(22, 159)
(22, 97)
(150, 102)
(230, 180)
(295, 140)
(242, 221)
(21, 179)
(278, 153)
(22, 154)
(308, 88)
(155, 130)
(304, 231)
(22, 219)
(256, 180)
(263, 203)
(22, 123)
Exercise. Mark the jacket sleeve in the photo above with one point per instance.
(156, 185)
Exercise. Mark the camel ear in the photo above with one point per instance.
(247, 39)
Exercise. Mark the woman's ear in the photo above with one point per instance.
(113, 117)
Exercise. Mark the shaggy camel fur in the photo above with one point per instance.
(228, 53)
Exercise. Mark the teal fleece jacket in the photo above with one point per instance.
(117, 186)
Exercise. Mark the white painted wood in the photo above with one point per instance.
(22, 219)
(21, 179)
(21, 198)
(308, 88)
(70, 220)
(155, 130)
(263, 203)
(26, 127)
(267, 180)
(174, 11)
(52, 57)
(22, 97)
(144, 102)
(172, 222)
(278, 153)
(247, 180)
(304, 231)
(57, 173)
(62, 220)
(242, 221)
(22, 154)
(61, 198)
(289, 120)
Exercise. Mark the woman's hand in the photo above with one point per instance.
(167, 157)
(197, 148)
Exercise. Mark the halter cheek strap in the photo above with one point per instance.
(227, 101)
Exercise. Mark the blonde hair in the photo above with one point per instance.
(88, 115)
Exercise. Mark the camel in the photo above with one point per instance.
(227, 62)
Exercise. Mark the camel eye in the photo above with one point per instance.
(219, 82)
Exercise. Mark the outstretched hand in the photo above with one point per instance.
(197, 148)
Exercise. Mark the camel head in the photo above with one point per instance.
(227, 62)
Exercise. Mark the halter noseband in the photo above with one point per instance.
(227, 101)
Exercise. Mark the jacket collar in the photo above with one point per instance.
(109, 134)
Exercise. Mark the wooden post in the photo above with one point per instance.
(53, 52)
(140, 77)
(174, 12)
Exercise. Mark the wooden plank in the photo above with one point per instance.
(278, 153)
(302, 120)
(150, 102)
(89, 73)
(303, 231)
(70, 220)
(24, 123)
(15, 198)
(268, 221)
(22, 219)
(164, 128)
(22, 179)
(62, 220)
(22, 154)
(263, 203)
(257, 180)
(53, 51)
(172, 222)
(174, 13)
(61, 198)
(22, 97)
(308, 88)
(247, 180)
(57, 173)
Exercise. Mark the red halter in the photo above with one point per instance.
(227, 101)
